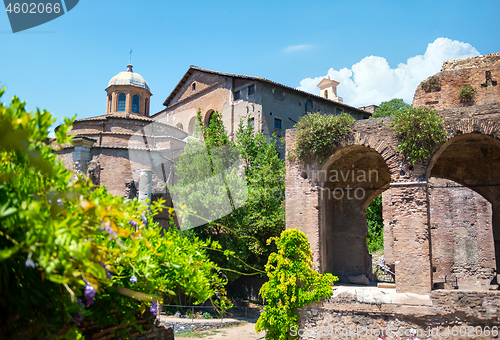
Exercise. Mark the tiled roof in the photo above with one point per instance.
(263, 80)
(125, 116)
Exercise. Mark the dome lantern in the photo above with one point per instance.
(128, 92)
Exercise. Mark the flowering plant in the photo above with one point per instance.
(68, 251)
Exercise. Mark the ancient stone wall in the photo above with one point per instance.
(469, 158)
(482, 73)
(357, 314)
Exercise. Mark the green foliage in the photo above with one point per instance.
(466, 94)
(61, 239)
(318, 135)
(375, 238)
(292, 284)
(431, 84)
(207, 315)
(242, 234)
(391, 108)
(419, 131)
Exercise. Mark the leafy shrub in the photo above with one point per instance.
(292, 284)
(431, 84)
(318, 135)
(419, 131)
(466, 94)
(69, 252)
(207, 315)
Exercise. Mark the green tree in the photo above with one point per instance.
(293, 284)
(256, 215)
(68, 250)
(375, 238)
(391, 108)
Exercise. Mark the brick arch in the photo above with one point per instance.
(471, 125)
(463, 127)
(391, 157)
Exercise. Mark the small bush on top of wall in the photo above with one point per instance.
(431, 84)
(419, 131)
(318, 135)
(466, 94)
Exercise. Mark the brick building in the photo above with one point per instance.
(271, 107)
(113, 148)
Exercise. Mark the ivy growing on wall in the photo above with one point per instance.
(419, 131)
(293, 284)
(318, 135)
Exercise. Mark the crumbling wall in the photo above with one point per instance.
(482, 73)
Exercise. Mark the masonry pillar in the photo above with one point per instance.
(410, 227)
(81, 153)
(145, 185)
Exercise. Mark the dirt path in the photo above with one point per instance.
(243, 332)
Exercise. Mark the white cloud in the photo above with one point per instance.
(372, 80)
(296, 48)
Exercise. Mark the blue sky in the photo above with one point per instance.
(376, 49)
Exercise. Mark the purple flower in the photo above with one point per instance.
(108, 274)
(153, 308)
(133, 279)
(110, 231)
(78, 317)
(133, 223)
(29, 263)
(144, 220)
(80, 303)
(89, 294)
(59, 202)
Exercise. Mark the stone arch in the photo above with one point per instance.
(391, 157)
(350, 179)
(179, 126)
(464, 180)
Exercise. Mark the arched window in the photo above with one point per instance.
(208, 117)
(121, 101)
(326, 94)
(191, 125)
(135, 103)
(179, 126)
(110, 101)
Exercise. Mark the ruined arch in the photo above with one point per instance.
(464, 186)
(350, 179)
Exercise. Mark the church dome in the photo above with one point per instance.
(129, 77)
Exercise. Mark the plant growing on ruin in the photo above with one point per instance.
(466, 94)
(319, 134)
(431, 84)
(419, 131)
(293, 284)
